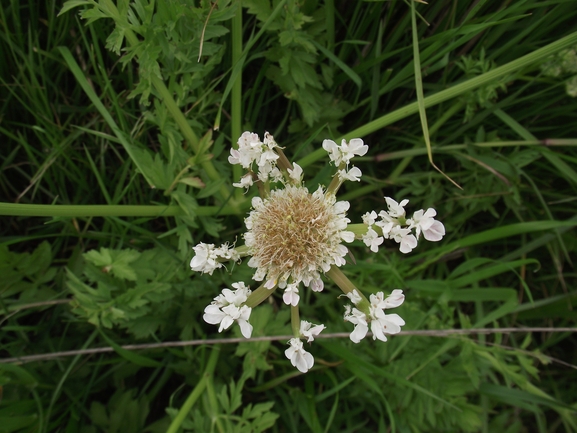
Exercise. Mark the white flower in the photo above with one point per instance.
(386, 227)
(245, 182)
(310, 331)
(404, 237)
(369, 218)
(228, 307)
(205, 259)
(317, 285)
(345, 152)
(296, 174)
(299, 357)
(228, 253)
(294, 235)
(396, 210)
(382, 324)
(354, 296)
(249, 150)
(359, 319)
(291, 295)
(432, 229)
(333, 150)
(354, 174)
(395, 299)
(373, 240)
(355, 147)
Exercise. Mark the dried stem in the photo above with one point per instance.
(213, 341)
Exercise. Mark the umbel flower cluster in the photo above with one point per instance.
(296, 237)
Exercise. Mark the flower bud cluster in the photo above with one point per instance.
(393, 224)
(250, 151)
(342, 155)
(208, 258)
(228, 307)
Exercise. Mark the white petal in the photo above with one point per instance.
(359, 333)
(245, 328)
(296, 173)
(213, 314)
(435, 232)
(317, 285)
(347, 236)
(395, 299)
(354, 296)
(408, 242)
(341, 206)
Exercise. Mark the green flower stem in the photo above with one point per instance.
(236, 91)
(359, 229)
(50, 210)
(450, 93)
(242, 250)
(347, 286)
(334, 186)
(283, 162)
(196, 392)
(258, 296)
(296, 321)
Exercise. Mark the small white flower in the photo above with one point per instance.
(359, 319)
(354, 296)
(299, 358)
(386, 226)
(345, 152)
(355, 147)
(317, 285)
(382, 324)
(432, 229)
(245, 182)
(354, 174)
(310, 331)
(369, 218)
(396, 210)
(228, 307)
(249, 150)
(296, 174)
(205, 259)
(333, 150)
(291, 295)
(404, 237)
(395, 299)
(373, 240)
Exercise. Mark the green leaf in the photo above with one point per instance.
(518, 397)
(20, 373)
(115, 261)
(15, 423)
(71, 4)
(133, 357)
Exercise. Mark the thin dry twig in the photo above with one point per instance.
(422, 333)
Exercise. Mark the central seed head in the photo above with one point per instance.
(293, 235)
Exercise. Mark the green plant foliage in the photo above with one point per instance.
(127, 288)
(479, 97)
(134, 104)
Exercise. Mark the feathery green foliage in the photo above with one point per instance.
(133, 105)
